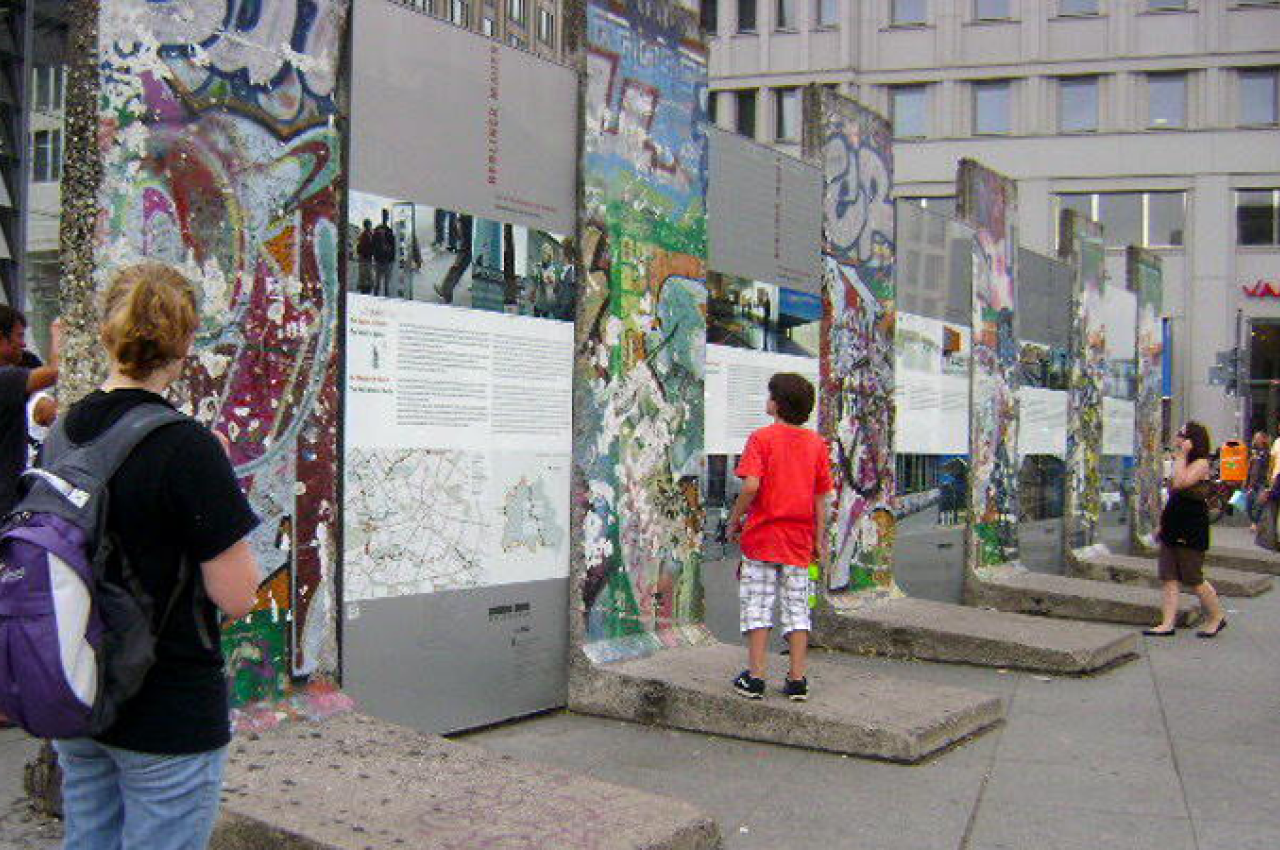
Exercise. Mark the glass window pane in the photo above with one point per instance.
(707, 12)
(910, 110)
(515, 10)
(745, 113)
(786, 14)
(1077, 104)
(1167, 99)
(1120, 214)
(1166, 218)
(787, 114)
(1258, 96)
(746, 15)
(825, 12)
(40, 161)
(1163, 5)
(1081, 203)
(1077, 7)
(1256, 217)
(908, 11)
(944, 206)
(991, 107)
(991, 10)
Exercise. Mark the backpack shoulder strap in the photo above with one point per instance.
(102, 456)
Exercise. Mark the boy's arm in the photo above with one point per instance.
(750, 487)
(821, 504)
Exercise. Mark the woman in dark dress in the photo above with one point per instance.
(1184, 534)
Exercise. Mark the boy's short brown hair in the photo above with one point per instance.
(793, 395)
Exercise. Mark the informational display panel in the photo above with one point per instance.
(737, 392)
(444, 114)
(1119, 417)
(457, 442)
(461, 291)
(1044, 309)
(932, 346)
(932, 388)
(1044, 422)
(765, 213)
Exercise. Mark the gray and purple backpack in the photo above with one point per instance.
(77, 631)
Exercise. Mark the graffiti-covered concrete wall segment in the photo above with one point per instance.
(641, 331)
(1082, 246)
(1146, 277)
(854, 147)
(219, 147)
(988, 204)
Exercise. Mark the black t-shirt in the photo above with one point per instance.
(176, 494)
(13, 432)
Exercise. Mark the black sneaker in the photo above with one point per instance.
(796, 690)
(749, 686)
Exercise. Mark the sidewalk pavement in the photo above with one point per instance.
(1178, 750)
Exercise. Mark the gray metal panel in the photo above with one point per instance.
(460, 659)
(764, 214)
(446, 117)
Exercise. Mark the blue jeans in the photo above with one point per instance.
(124, 800)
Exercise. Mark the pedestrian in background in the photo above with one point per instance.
(1184, 534)
(1257, 484)
(154, 778)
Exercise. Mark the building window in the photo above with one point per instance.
(46, 161)
(48, 83)
(992, 102)
(1166, 219)
(515, 41)
(487, 27)
(713, 107)
(905, 13)
(784, 14)
(1077, 8)
(825, 12)
(1166, 5)
(460, 13)
(991, 10)
(708, 15)
(1146, 219)
(1167, 100)
(515, 11)
(744, 115)
(1078, 104)
(786, 114)
(943, 206)
(1259, 96)
(1258, 217)
(546, 26)
(909, 109)
(747, 16)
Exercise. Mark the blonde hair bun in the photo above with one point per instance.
(149, 317)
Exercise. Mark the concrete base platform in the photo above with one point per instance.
(935, 631)
(353, 783)
(849, 712)
(1248, 560)
(1023, 592)
(1127, 569)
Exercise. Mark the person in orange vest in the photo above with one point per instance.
(1233, 462)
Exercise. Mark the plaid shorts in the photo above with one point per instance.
(758, 589)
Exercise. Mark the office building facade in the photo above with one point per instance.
(1157, 117)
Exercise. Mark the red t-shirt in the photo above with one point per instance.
(793, 469)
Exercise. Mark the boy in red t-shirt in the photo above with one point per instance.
(786, 478)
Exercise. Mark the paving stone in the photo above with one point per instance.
(935, 631)
(861, 714)
(1024, 592)
(352, 783)
(1142, 572)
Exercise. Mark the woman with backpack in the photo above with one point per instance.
(153, 779)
